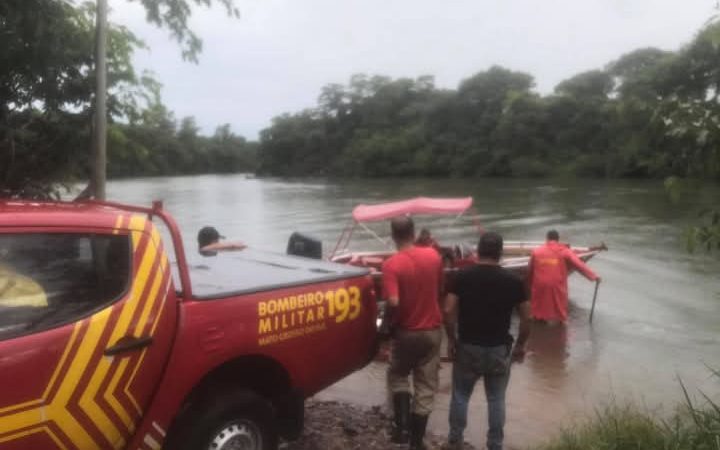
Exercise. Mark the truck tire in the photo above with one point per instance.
(235, 420)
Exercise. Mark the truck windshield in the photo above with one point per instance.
(49, 279)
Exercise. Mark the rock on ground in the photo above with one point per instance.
(339, 426)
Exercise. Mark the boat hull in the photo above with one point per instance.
(516, 256)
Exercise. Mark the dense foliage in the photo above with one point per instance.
(46, 100)
(651, 113)
(46, 86)
(156, 145)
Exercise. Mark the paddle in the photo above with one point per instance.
(592, 310)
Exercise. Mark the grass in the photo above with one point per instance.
(628, 427)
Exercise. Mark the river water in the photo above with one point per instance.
(658, 311)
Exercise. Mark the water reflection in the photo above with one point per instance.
(548, 354)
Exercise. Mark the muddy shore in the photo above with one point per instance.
(331, 425)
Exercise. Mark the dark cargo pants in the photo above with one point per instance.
(416, 352)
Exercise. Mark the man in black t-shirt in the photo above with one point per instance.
(477, 311)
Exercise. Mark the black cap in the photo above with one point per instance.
(208, 235)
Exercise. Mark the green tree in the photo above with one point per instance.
(688, 114)
(637, 74)
(594, 84)
(689, 117)
(651, 113)
(45, 90)
(47, 80)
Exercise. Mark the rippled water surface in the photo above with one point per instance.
(658, 311)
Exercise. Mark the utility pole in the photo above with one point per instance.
(100, 148)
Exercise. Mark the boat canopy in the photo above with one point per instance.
(418, 205)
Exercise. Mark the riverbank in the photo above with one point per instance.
(332, 425)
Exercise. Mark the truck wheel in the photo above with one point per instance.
(239, 420)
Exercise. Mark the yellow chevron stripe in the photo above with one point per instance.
(138, 287)
(165, 291)
(141, 324)
(81, 363)
(39, 429)
(64, 356)
(23, 419)
(114, 403)
(163, 295)
(137, 225)
(93, 410)
(153, 299)
(12, 437)
(152, 333)
(98, 323)
(19, 406)
(53, 377)
(155, 236)
(55, 439)
(56, 410)
(87, 400)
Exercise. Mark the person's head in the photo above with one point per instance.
(403, 230)
(490, 246)
(207, 236)
(424, 237)
(553, 235)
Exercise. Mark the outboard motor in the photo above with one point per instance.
(303, 245)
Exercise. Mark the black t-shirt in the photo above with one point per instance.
(487, 296)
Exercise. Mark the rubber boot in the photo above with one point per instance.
(418, 424)
(401, 429)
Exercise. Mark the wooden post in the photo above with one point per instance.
(592, 310)
(100, 148)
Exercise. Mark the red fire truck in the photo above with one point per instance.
(110, 339)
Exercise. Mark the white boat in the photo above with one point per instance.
(516, 254)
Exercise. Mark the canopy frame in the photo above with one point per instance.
(422, 206)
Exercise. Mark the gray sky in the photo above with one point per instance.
(279, 54)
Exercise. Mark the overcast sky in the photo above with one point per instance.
(278, 55)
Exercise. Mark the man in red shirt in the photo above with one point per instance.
(549, 268)
(413, 284)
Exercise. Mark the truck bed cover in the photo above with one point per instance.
(239, 272)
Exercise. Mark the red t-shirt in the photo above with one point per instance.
(415, 276)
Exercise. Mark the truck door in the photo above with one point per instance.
(86, 324)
